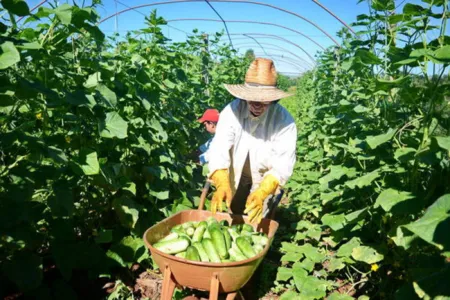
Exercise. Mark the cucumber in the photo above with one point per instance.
(233, 233)
(237, 227)
(212, 226)
(236, 254)
(260, 240)
(224, 223)
(219, 242)
(211, 220)
(201, 251)
(227, 260)
(190, 231)
(247, 228)
(245, 246)
(192, 253)
(207, 234)
(186, 225)
(195, 224)
(210, 250)
(176, 227)
(178, 230)
(170, 236)
(181, 254)
(172, 246)
(227, 237)
(198, 233)
(258, 248)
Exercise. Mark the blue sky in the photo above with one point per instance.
(286, 59)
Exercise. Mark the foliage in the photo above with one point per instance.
(94, 138)
(284, 82)
(371, 187)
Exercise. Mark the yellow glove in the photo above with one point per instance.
(254, 204)
(221, 180)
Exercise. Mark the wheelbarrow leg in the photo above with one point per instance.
(214, 289)
(168, 286)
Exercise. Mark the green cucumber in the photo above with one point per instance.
(186, 225)
(170, 236)
(258, 248)
(227, 237)
(190, 231)
(219, 242)
(176, 227)
(195, 224)
(198, 233)
(172, 246)
(178, 230)
(227, 260)
(247, 228)
(211, 220)
(213, 225)
(237, 227)
(181, 254)
(201, 251)
(233, 233)
(236, 254)
(210, 250)
(192, 253)
(260, 240)
(245, 246)
(207, 234)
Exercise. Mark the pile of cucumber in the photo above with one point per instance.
(213, 241)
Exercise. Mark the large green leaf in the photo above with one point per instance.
(9, 56)
(346, 249)
(335, 222)
(108, 96)
(364, 180)
(290, 295)
(443, 142)
(366, 254)
(127, 210)
(391, 197)
(88, 162)
(64, 13)
(299, 275)
(339, 296)
(306, 264)
(377, 140)
(128, 251)
(336, 173)
(336, 264)
(443, 53)
(291, 256)
(434, 225)
(113, 126)
(17, 7)
(284, 274)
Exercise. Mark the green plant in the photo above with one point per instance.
(371, 185)
(94, 138)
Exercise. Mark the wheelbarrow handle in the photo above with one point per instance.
(203, 195)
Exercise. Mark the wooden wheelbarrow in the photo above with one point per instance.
(216, 278)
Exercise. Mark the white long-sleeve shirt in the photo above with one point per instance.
(269, 140)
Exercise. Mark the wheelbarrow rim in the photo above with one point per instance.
(207, 264)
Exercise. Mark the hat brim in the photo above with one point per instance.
(256, 93)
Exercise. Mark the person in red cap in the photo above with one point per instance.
(209, 119)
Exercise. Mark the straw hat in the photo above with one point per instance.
(260, 83)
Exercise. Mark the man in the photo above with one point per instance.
(253, 152)
(209, 119)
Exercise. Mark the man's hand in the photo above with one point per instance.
(221, 181)
(255, 201)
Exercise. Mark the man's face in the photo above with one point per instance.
(210, 127)
(257, 108)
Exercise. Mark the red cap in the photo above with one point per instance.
(211, 115)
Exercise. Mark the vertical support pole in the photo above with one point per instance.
(205, 51)
(168, 286)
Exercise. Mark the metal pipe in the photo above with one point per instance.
(335, 16)
(279, 38)
(280, 49)
(248, 21)
(232, 1)
(283, 58)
